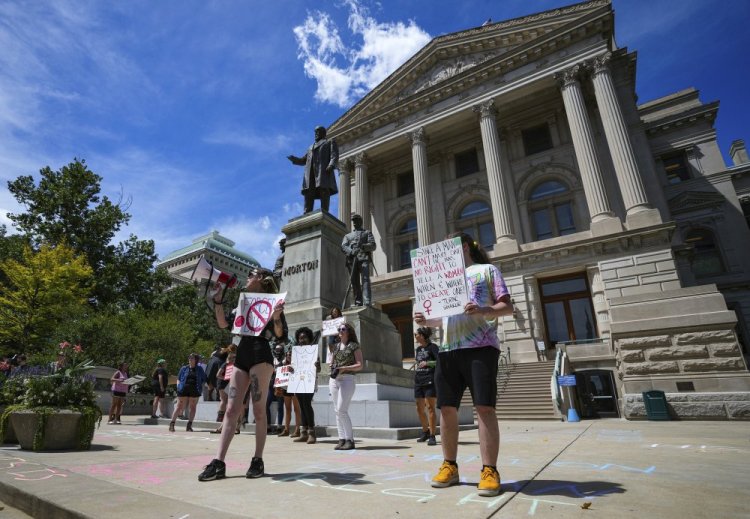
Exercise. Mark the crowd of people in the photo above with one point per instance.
(245, 377)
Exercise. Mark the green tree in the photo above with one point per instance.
(66, 207)
(42, 289)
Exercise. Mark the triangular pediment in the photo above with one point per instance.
(694, 200)
(458, 60)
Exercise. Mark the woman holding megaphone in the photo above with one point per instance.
(253, 368)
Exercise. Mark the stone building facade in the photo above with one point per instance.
(621, 233)
(217, 249)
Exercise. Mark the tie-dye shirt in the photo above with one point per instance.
(486, 286)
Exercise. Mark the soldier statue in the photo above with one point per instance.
(319, 161)
(358, 246)
(278, 268)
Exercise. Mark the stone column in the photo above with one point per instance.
(361, 191)
(418, 140)
(498, 196)
(534, 305)
(603, 220)
(618, 141)
(345, 193)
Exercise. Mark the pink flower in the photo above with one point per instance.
(64, 345)
(78, 348)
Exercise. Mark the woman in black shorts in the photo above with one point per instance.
(190, 382)
(253, 369)
(425, 357)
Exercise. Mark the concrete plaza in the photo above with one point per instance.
(549, 469)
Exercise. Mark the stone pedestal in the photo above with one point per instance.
(315, 279)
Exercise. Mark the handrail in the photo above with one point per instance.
(554, 387)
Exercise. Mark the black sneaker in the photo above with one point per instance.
(256, 469)
(217, 469)
(424, 436)
(431, 440)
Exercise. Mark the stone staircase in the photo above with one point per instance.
(523, 392)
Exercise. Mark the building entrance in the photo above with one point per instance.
(597, 394)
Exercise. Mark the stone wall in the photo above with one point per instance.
(696, 406)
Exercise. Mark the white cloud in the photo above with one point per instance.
(344, 74)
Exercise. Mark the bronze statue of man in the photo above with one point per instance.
(358, 246)
(278, 268)
(320, 161)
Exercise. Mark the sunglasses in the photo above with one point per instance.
(343, 329)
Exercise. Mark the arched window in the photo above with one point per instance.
(551, 210)
(406, 240)
(706, 257)
(475, 219)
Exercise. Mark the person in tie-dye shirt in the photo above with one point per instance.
(468, 357)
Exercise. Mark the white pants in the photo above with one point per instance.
(342, 391)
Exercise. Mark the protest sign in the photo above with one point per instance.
(439, 280)
(136, 379)
(254, 311)
(305, 373)
(281, 377)
(331, 326)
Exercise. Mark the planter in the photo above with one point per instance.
(62, 430)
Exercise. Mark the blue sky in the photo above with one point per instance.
(190, 107)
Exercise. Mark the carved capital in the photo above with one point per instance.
(486, 109)
(418, 136)
(600, 64)
(361, 160)
(346, 166)
(569, 76)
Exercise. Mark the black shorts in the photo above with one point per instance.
(121, 394)
(425, 391)
(158, 392)
(191, 392)
(252, 351)
(475, 368)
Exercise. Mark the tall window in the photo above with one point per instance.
(706, 256)
(568, 311)
(551, 210)
(406, 240)
(405, 184)
(466, 163)
(676, 167)
(475, 219)
(536, 139)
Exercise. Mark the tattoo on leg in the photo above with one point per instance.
(254, 387)
(232, 393)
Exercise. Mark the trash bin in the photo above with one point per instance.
(656, 405)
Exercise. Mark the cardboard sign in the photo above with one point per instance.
(439, 279)
(331, 326)
(137, 379)
(303, 361)
(254, 311)
(281, 376)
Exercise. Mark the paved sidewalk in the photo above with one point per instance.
(550, 469)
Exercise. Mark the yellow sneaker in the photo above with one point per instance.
(489, 482)
(446, 476)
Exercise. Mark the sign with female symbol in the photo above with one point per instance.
(439, 279)
(254, 311)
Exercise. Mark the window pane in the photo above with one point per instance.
(474, 209)
(536, 139)
(546, 189)
(542, 224)
(470, 231)
(564, 286)
(557, 326)
(583, 320)
(565, 223)
(487, 234)
(466, 163)
(404, 250)
(409, 227)
(405, 184)
(676, 168)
